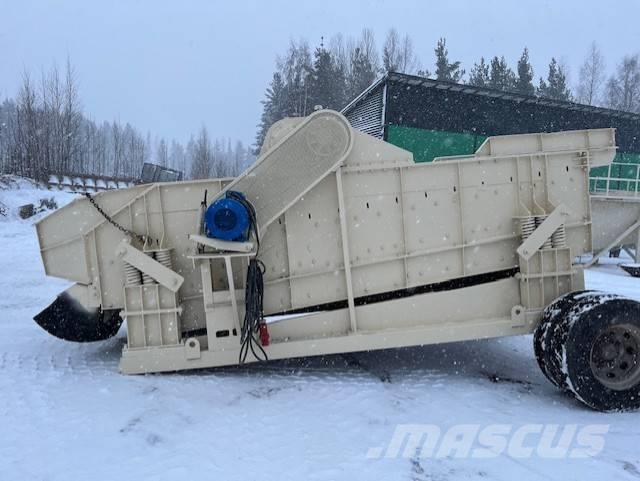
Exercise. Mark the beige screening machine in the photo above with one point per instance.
(336, 242)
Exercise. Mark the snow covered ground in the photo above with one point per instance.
(66, 413)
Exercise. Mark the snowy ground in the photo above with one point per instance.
(66, 413)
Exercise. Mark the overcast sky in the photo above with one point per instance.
(169, 66)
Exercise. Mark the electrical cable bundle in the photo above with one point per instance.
(254, 314)
(254, 291)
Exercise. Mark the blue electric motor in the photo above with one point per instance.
(228, 218)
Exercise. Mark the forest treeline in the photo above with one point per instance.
(339, 69)
(44, 130)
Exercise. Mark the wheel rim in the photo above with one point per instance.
(615, 357)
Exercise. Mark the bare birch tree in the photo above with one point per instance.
(592, 76)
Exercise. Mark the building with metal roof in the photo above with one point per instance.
(434, 118)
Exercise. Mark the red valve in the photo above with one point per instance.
(264, 333)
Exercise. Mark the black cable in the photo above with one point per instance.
(253, 294)
(253, 221)
(254, 313)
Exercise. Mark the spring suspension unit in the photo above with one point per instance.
(557, 240)
(527, 226)
(134, 277)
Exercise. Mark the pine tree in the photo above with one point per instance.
(479, 75)
(444, 69)
(340, 95)
(327, 83)
(524, 80)
(296, 68)
(501, 77)
(363, 73)
(273, 108)
(556, 85)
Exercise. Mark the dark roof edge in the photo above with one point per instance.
(486, 91)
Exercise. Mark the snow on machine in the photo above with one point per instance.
(336, 242)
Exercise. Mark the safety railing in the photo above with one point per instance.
(613, 184)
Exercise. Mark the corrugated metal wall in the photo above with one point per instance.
(368, 114)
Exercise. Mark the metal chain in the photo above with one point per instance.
(113, 222)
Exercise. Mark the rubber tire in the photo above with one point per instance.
(588, 323)
(551, 317)
(557, 335)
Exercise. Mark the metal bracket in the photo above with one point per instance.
(617, 241)
(138, 259)
(518, 316)
(539, 236)
(192, 349)
(222, 245)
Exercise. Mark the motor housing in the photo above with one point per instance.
(228, 219)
